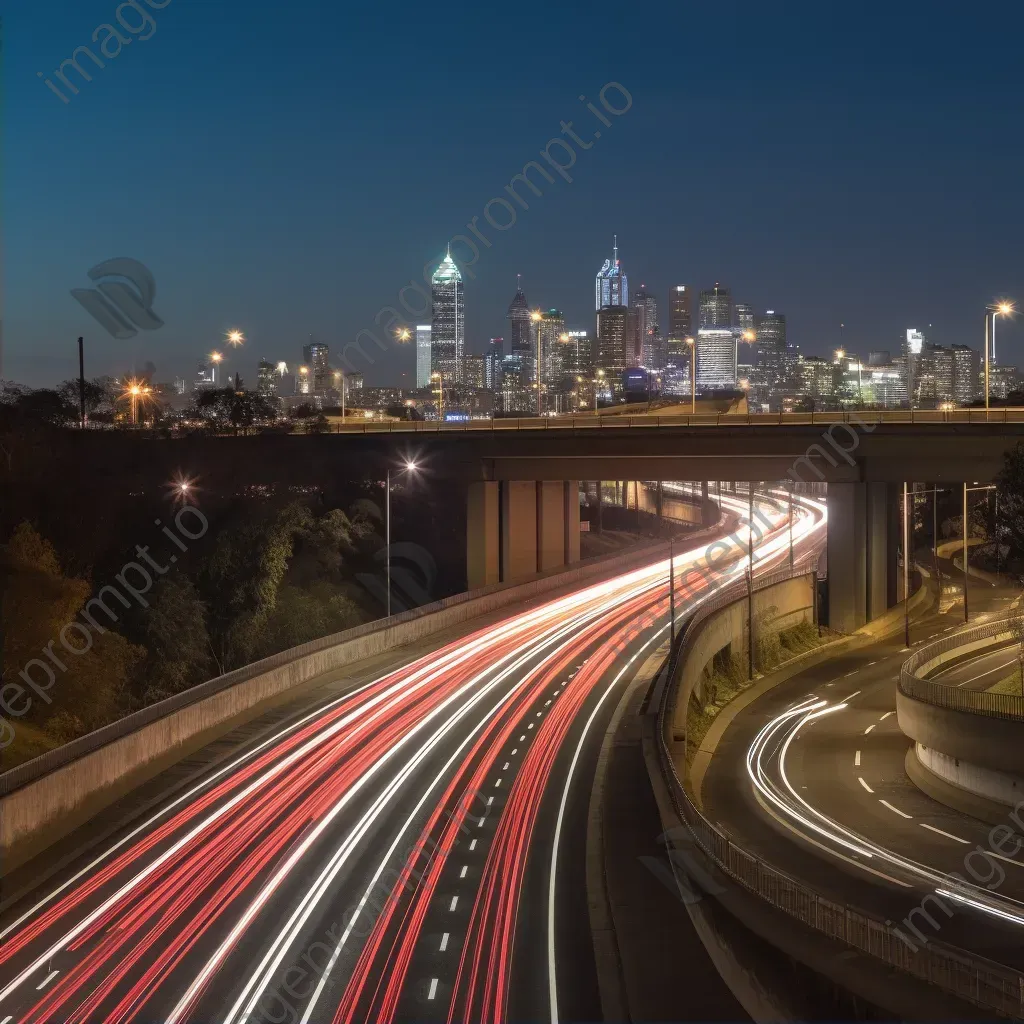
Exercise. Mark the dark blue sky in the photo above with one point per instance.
(286, 169)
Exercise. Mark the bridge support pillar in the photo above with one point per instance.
(597, 524)
(571, 520)
(482, 552)
(518, 529)
(847, 556)
(550, 524)
(878, 567)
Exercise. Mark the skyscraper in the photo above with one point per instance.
(448, 320)
(317, 358)
(771, 346)
(716, 307)
(266, 378)
(716, 358)
(647, 344)
(552, 327)
(680, 313)
(743, 316)
(612, 288)
(492, 364)
(966, 362)
(422, 355)
(521, 339)
(612, 341)
(912, 349)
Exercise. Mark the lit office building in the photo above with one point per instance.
(317, 358)
(552, 327)
(715, 309)
(716, 359)
(492, 363)
(743, 316)
(448, 323)
(966, 364)
(266, 378)
(680, 313)
(611, 286)
(770, 331)
(814, 376)
(1002, 381)
(206, 377)
(648, 345)
(913, 344)
(579, 354)
(520, 330)
(612, 341)
(473, 376)
(303, 381)
(422, 355)
(882, 385)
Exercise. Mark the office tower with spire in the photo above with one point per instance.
(520, 334)
(716, 308)
(612, 288)
(448, 323)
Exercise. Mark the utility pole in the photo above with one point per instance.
(81, 380)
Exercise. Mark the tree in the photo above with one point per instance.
(1010, 484)
(1017, 632)
(318, 425)
(226, 406)
(99, 398)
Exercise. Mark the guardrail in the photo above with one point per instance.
(962, 974)
(977, 702)
(652, 420)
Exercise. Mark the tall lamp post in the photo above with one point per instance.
(598, 381)
(999, 309)
(968, 490)
(409, 467)
(536, 317)
(693, 374)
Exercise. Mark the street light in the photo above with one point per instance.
(999, 309)
(968, 490)
(693, 374)
(409, 466)
(236, 338)
(216, 358)
(598, 381)
(536, 317)
(403, 334)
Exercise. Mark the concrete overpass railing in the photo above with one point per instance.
(707, 419)
(962, 974)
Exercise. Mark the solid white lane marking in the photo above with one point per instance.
(864, 784)
(856, 760)
(886, 715)
(472, 846)
(948, 835)
(462, 873)
(444, 943)
(895, 809)
(1009, 860)
(433, 988)
(455, 903)
(46, 981)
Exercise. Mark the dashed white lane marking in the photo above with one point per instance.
(472, 846)
(433, 988)
(870, 663)
(530, 726)
(497, 784)
(46, 981)
(455, 903)
(885, 716)
(948, 835)
(514, 752)
(444, 943)
(505, 769)
(546, 703)
(1009, 860)
(6, 1020)
(539, 713)
(864, 784)
(490, 800)
(521, 739)
(848, 674)
(856, 693)
(480, 823)
(462, 873)
(856, 760)
(868, 729)
(902, 814)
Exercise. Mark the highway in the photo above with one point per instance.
(811, 778)
(408, 845)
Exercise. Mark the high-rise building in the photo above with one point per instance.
(770, 332)
(266, 378)
(206, 377)
(580, 359)
(474, 372)
(552, 327)
(612, 341)
(716, 358)
(492, 363)
(448, 323)
(303, 381)
(743, 316)
(913, 345)
(520, 333)
(649, 348)
(815, 378)
(680, 313)
(611, 286)
(966, 364)
(422, 355)
(317, 358)
(715, 308)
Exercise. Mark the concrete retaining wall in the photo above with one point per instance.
(777, 607)
(998, 786)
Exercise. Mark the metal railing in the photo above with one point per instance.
(974, 979)
(943, 695)
(598, 421)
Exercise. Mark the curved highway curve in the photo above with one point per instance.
(403, 850)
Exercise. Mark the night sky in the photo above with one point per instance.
(286, 169)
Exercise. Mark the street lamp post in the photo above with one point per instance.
(693, 375)
(968, 490)
(536, 317)
(597, 384)
(1000, 309)
(410, 467)
(790, 525)
(750, 579)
